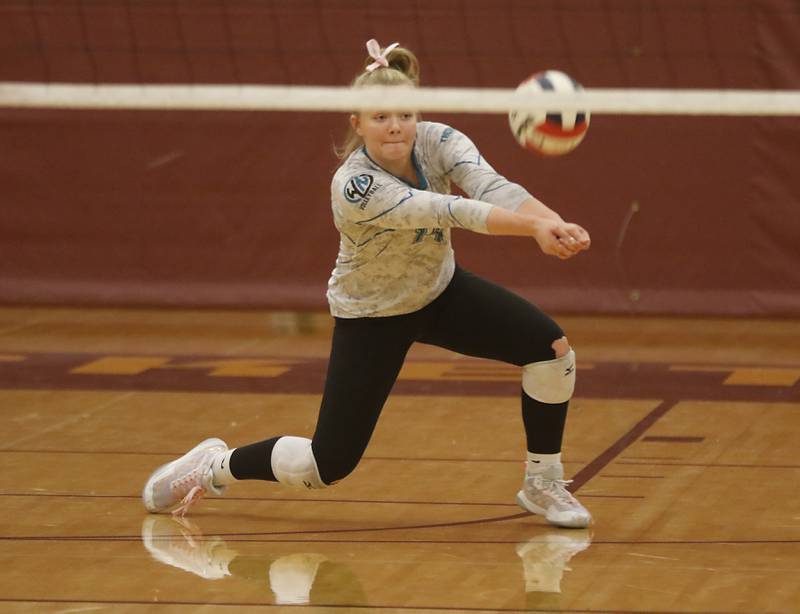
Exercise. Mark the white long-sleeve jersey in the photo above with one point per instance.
(395, 254)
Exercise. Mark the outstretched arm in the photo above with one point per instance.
(533, 219)
(534, 206)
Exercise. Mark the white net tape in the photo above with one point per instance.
(457, 100)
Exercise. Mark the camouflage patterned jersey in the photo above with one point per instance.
(395, 254)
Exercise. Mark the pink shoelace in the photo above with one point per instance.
(193, 496)
(557, 488)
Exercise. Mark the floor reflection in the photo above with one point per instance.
(299, 578)
(312, 578)
(545, 558)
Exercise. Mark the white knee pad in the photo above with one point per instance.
(550, 381)
(293, 463)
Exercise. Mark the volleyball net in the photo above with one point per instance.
(342, 99)
(662, 57)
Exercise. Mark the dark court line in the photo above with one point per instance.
(253, 538)
(725, 465)
(295, 499)
(546, 528)
(622, 444)
(628, 460)
(638, 477)
(402, 459)
(436, 525)
(260, 604)
(90, 452)
(673, 439)
(269, 499)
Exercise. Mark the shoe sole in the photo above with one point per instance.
(145, 498)
(530, 506)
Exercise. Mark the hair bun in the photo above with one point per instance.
(406, 62)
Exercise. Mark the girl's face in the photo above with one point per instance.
(388, 135)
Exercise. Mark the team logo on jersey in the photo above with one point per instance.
(436, 233)
(358, 188)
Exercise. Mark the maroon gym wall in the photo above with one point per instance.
(687, 215)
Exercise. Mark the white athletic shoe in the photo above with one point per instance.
(545, 493)
(545, 559)
(184, 480)
(179, 543)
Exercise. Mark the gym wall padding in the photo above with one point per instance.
(688, 215)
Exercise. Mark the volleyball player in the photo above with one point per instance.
(395, 283)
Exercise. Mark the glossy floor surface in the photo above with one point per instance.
(682, 440)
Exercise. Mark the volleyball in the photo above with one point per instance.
(553, 132)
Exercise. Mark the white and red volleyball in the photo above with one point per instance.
(554, 132)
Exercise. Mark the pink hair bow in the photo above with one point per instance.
(374, 50)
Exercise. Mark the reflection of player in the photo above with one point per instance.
(180, 543)
(298, 578)
(544, 561)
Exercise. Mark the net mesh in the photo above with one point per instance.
(465, 43)
(689, 187)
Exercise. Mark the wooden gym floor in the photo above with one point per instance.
(682, 440)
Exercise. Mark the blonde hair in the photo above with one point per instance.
(403, 69)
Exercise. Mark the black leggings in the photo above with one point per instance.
(472, 316)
